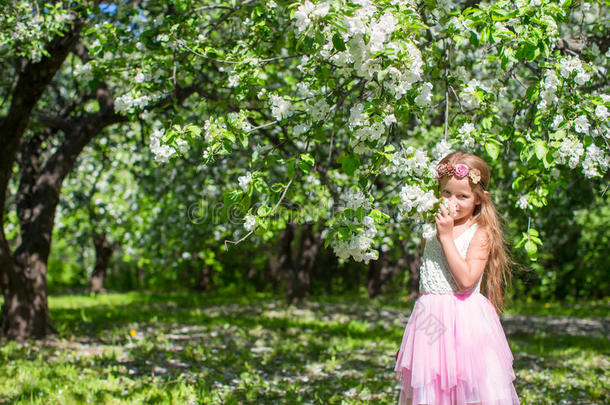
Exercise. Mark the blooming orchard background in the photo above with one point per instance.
(142, 140)
(386, 88)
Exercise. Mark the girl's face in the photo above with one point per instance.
(459, 192)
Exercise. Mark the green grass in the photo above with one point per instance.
(224, 349)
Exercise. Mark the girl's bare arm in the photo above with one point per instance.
(466, 272)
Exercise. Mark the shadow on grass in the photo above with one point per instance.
(234, 350)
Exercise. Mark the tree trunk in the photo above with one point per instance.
(285, 262)
(25, 312)
(296, 275)
(301, 279)
(373, 279)
(23, 277)
(381, 271)
(103, 254)
(23, 274)
(415, 261)
(204, 280)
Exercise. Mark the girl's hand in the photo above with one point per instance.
(444, 224)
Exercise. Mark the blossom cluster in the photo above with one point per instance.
(414, 201)
(307, 12)
(360, 244)
(571, 150)
(27, 29)
(595, 158)
(573, 65)
(161, 151)
(129, 102)
(465, 137)
(548, 95)
(408, 163)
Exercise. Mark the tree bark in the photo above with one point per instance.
(415, 261)
(296, 273)
(204, 276)
(22, 279)
(301, 279)
(381, 271)
(103, 254)
(285, 262)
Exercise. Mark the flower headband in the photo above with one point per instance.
(459, 170)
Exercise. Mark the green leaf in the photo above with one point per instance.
(290, 168)
(389, 148)
(376, 215)
(263, 211)
(363, 181)
(350, 164)
(532, 93)
(338, 42)
(307, 158)
(541, 149)
(492, 150)
(360, 213)
(531, 249)
(304, 166)
(229, 135)
(547, 163)
(522, 241)
(344, 233)
(194, 130)
(329, 237)
(244, 141)
(532, 52)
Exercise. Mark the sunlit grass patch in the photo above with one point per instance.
(183, 348)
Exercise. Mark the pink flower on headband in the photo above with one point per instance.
(461, 170)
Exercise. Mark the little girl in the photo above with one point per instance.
(454, 350)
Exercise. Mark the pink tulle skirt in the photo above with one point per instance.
(454, 352)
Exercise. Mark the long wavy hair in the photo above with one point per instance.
(497, 273)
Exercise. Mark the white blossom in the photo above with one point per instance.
(357, 117)
(425, 97)
(573, 64)
(428, 231)
(523, 202)
(413, 197)
(300, 129)
(318, 110)
(245, 180)
(355, 199)
(581, 124)
(441, 149)
(307, 12)
(468, 94)
(466, 129)
(595, 158)
(601, 111)
(250, 222)
(549, 90)
(570, 149)
(161, 152)
(556, 121)
(389, 119)
(280, 107)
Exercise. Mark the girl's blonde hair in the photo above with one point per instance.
(497, 274)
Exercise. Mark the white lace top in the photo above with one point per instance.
(434, 273)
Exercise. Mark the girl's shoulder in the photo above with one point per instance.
(481, 236)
